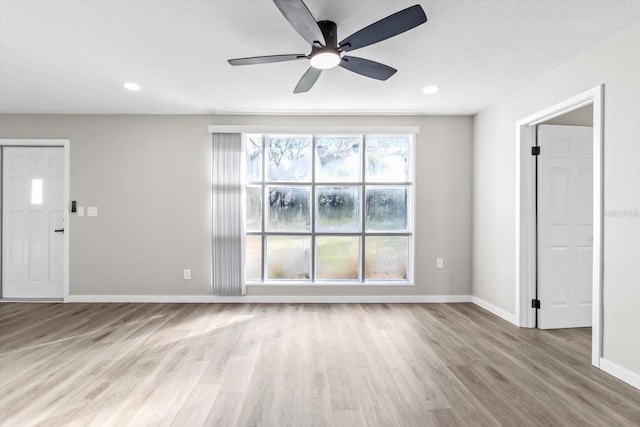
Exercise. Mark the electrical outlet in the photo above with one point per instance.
(187, 274)
(439, 262)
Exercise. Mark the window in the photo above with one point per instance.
(324, 209)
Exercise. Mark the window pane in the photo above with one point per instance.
(289, 257)
(254, 208)
(253, 257)
(387, 159)
(337, 257)
(289, 158)
(289, 208)
(338, 209)
(386, 209)
(338, 159)
(254, 158)
(36, 191)
(386, 257)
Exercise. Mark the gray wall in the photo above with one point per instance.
(616, 63)
(150, 178)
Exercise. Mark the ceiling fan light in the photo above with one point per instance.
(324, 60)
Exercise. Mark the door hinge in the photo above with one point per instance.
(535, 151)
(535, 303)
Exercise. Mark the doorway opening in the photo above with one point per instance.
(35, 219)
(526, 231)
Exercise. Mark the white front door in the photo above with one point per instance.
(33, 222)
(565, 226)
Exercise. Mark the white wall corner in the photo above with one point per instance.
(504, 314)
(620, 373)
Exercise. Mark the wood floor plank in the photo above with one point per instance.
(297, 365)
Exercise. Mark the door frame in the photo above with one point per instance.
(525, 210)
(66, 145)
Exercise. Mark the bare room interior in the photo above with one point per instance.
(319, 213)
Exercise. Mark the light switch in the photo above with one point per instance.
(92, 211)
(439, 262)
(80, 210)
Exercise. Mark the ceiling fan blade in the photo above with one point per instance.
(266, 59)
(385, 28)
(308, 80)
(367, 68)
(301, 19)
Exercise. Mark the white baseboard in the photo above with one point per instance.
(270, 299)
(504, 314)
(623, 374)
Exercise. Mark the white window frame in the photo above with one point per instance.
(407, 131)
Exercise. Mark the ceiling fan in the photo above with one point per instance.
(326, 52)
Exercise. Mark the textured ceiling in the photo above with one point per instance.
(73, 56)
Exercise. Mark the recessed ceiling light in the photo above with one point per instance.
(429, 90)
(134, 87)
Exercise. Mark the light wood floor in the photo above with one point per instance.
(297, 365)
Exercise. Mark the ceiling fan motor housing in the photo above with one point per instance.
(330, 32)
(328, 56)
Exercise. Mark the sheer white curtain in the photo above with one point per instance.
(228, 214)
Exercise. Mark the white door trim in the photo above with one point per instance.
(525, 203)
(65, 144)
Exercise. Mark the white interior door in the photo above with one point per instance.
(565, 226)
(33, 222)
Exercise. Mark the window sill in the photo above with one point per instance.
(331, 284)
